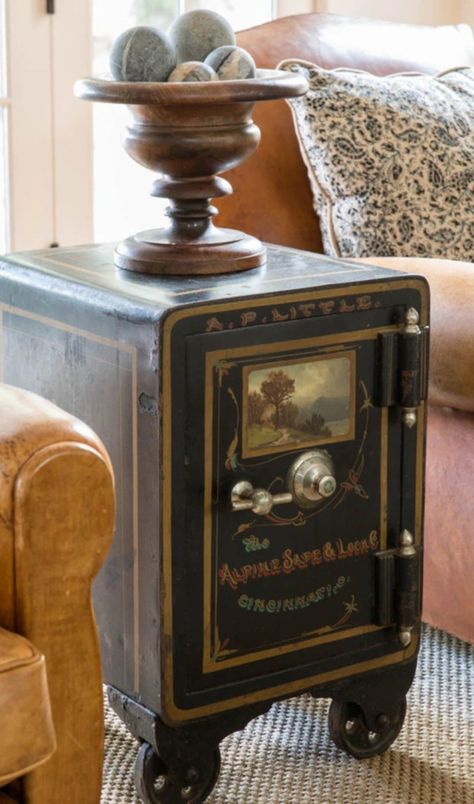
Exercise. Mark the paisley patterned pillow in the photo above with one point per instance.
(390, 160)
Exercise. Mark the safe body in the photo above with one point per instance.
(204, 610)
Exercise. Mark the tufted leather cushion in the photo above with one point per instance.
(27, 733)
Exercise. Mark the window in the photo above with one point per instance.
(4, 178)
(45, 133)
(56, 168)
(122, 201)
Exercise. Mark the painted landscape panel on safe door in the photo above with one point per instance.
(301, 403)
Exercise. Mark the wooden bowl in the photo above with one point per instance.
(190, 132)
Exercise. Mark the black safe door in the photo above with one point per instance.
(287, 596)
(297, 574)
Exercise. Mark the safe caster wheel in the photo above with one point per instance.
(349, 732)
(154, 785)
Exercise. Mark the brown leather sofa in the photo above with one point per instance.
(56, 522)
(273, 201)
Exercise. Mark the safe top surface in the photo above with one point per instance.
(92, 268)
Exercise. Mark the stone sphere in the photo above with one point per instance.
(142, 54)
(193, 71)
(231, 62)
(195, 34)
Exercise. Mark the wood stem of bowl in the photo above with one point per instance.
(190, 243)
(190, 210)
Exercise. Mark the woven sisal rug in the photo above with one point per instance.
(287, 757)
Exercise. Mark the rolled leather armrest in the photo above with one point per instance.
(56, 525)
(452, 326)
(27, 732)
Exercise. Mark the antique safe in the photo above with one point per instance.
(267, 433)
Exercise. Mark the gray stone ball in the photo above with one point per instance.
(193, 71)
(231, 63)
(142, 54)
(195, 34)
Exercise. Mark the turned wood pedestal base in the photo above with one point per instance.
(223, 251)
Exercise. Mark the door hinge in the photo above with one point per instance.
(398, 587)
(50, 6)
(402, 367)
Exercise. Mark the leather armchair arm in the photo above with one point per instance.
(452, 326)
(56, 523)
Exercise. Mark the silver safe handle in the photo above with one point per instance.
(311, 479)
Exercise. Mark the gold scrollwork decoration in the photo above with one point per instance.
(352, 481)
(350, 607)
(223, 367)
(222, 649)
(232, 462)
